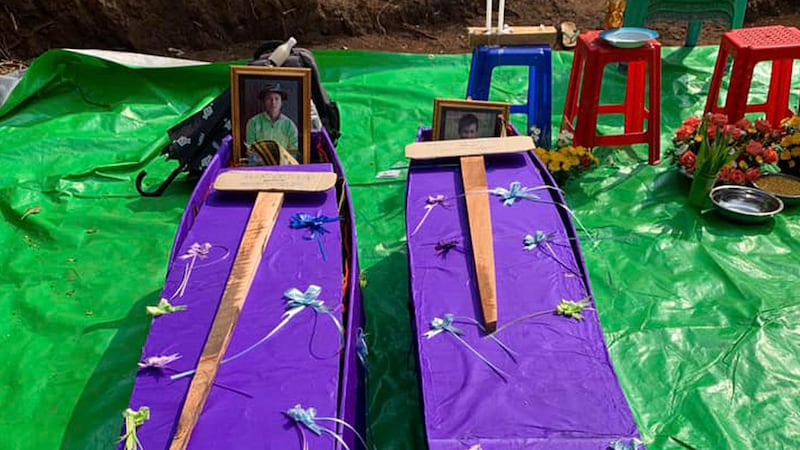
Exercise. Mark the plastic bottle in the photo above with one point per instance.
(316, 122)
(281, 53)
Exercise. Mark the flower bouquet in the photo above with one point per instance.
(757, 140)
(789, 146)
(567, 161)
(717, 148)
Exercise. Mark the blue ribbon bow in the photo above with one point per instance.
(445, 324)
(531, 242)
(440, 325)
(309, 298)
(516, 192)
(298, 301)
(621, 444)
(316, 225)
(306, 417)
(361, 348)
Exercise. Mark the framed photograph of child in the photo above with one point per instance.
(466, 119)
(270, 105)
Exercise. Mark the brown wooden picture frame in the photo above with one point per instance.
(247, 82)
(446, 110)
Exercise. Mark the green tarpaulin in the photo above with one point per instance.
(701, 316)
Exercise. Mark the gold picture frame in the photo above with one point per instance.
(464, 119)
(252, 90)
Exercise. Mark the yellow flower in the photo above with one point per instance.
(759, 160)
(698, 138)
(553, 166)
(743, 165)
(580, 151)
(786, 155)
(796, 151)
(567, 166)
(792, 164)
(794, 122)
(543, 154)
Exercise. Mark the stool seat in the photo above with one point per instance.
(639, 13)
(748, 47)
(765, 38)
(592, 55)
(538, 59)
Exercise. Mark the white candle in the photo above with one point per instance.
(500, 16)
(488, 16)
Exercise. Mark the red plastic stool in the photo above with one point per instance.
(748, 47)
(592, 55)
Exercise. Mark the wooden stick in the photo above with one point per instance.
(469, 147)
(518, 35)
(256, 235)
(473, 172)
(252, 180)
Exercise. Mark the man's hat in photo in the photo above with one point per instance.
(272, 88)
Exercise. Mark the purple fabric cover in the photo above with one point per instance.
(298, 365)
(562, 392)
(352, 405)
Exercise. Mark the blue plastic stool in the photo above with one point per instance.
(539, 61)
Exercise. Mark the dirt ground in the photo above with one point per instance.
(222, 31)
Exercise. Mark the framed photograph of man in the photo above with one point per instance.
(271, 105)
(466, 119)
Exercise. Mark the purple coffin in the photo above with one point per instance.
(560, 390)
(308, 362)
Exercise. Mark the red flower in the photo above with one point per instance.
(763, 126)
(743, 124)
(737, 176)
(688, 160)
(734, 132)
(712, 134)
(684, 133)
(725, 173)
(719, 120)
(752, 174)
(692, 123)
(754, 148)
(770, 156)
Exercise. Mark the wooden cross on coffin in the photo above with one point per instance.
(476, 191)
(270, 187)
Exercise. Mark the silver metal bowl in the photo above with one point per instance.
(745, 204)
(788, 200)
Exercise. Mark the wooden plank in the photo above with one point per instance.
(469, 147)
(473, 172)
(256, 235)
(518, 35)
(250, 180)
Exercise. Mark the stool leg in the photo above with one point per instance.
(540, 109)
(654, 115)
(573, 92)
(739, 89)
(480, 75)
(586, 129)
(693, 33)
(634, 97)
(779, 88)
(712, 102)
